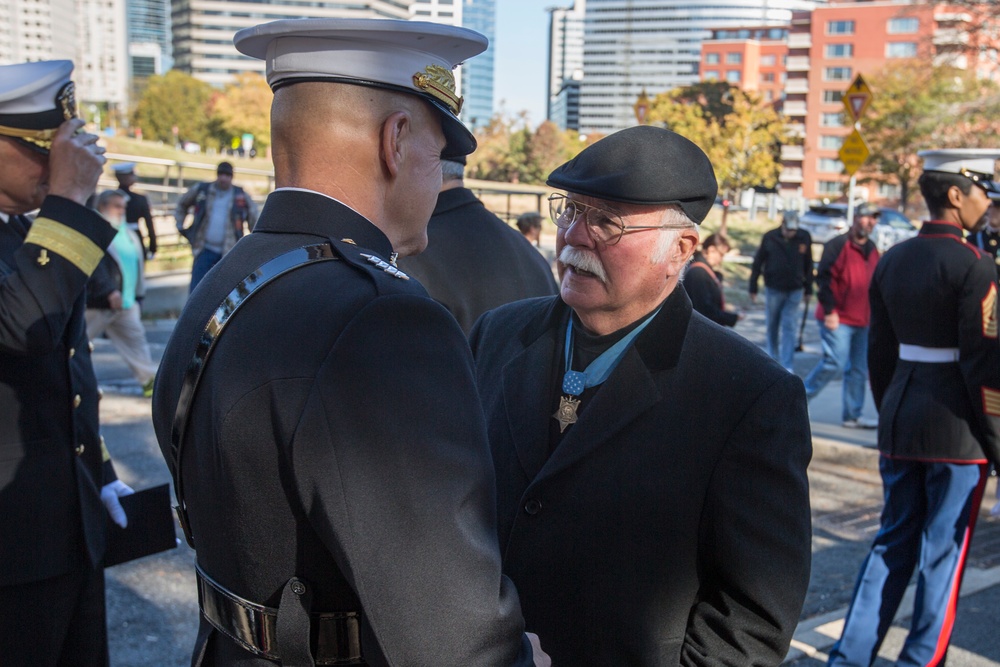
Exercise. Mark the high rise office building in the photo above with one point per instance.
(101, 64)
(474, 79)
(635, 45)
(203, 29)
(91, 33)
(148, 39)
(477, 74)
(565, 65)
(32, 30)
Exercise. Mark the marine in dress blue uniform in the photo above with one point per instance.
(336, 459)
(54, 469)
(934, 363)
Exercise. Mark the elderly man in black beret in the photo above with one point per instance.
(651, 465)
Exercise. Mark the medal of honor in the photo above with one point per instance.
(575, 382)
(566, 414)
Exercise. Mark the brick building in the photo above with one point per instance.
(752, 58)
(825, 49)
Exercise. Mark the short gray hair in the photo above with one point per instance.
(105, 198)
(452, 171)
(673, 215)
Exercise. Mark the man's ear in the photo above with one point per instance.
(393, 136)
(687, 242)
(955, 196)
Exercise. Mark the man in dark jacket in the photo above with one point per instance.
(845, 272)
(56, 479)
(785, 258)
(336, 460)
(651, 466)
(474, 261)
(935, 375)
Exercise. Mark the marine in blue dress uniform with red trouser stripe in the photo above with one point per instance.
(934, 363)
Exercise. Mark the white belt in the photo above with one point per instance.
(928, 355)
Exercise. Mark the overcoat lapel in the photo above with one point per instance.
(630, 390)
(626, 394)
(527, 392)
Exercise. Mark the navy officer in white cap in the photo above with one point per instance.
(651, 465)
(934, 366)
(54, 469)
(317, 409)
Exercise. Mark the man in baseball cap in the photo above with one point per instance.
(341, 482)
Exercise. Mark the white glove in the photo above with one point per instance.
(109, 496)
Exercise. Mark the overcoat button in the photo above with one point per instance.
(77, 400)
(79, 450)
(90, 345)
(532, 506)
(72, 352)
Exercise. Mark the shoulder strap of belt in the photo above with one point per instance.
(273, 268)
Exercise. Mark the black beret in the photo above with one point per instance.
(642, 165)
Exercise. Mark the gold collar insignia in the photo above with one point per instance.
(439, 83)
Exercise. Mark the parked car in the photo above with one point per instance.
(825, 221)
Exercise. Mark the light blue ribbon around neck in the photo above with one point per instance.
(574, 382)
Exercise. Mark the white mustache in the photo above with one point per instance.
(583, 260)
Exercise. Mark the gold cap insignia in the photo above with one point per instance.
(66, 99)
(439, 83)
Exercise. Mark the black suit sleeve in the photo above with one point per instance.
(49, 272)
(405, 495)
(755, 536)
(147, 217)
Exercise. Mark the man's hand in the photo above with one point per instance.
(75, 162)
(753, 297)
(831, 321)
(109, 496)
(542, 658)
(115, 300)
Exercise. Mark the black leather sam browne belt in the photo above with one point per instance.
(286, 634)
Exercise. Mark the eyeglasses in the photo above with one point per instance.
(605, 227)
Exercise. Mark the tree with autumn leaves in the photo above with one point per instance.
(741, 135)
(203, 114)
(916, 107)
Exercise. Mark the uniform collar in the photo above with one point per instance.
(941, 227)
(453, 198)
(297, 211)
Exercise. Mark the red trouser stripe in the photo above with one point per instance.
(949, 619)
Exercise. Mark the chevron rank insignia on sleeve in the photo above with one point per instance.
(385, 266)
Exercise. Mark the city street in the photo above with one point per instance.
(152, 603)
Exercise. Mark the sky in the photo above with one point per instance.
(520, 58)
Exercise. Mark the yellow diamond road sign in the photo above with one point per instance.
(857, 98)
(853, 152)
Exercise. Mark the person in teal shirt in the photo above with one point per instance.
(115, 292)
